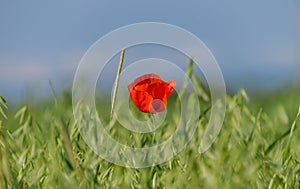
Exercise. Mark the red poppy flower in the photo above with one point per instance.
(150, 93)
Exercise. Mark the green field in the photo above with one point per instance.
(258, 147)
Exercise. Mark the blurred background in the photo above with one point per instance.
(256, 43)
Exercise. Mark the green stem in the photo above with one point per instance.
(117, 83)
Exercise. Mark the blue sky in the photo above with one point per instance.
(254, 42)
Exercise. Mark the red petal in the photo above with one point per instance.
(157, 90)
(141, 99)
(171, 87)
(149, 92)
(141, 87)
(147, 78)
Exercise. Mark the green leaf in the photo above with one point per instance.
(190, 68)
(21, 114)
(3, 102)
(2, 113)
(199, 88)
(244, 95)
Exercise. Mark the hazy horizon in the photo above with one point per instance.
(255, 43)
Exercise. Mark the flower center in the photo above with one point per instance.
(157, 105)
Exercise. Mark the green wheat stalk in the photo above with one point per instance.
(117, 83)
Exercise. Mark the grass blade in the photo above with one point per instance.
(117, 83)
